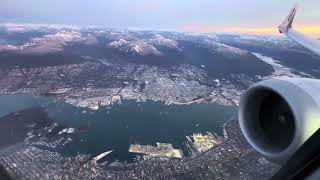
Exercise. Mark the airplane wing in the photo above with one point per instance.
(307, 42)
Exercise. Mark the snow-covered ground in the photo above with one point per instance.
(50, 43)
(279, 69)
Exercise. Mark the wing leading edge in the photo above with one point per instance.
(307, 42)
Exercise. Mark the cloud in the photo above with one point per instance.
(24, 27)
(308, 29)
(254, 30)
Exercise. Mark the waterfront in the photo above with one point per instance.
(118, 126)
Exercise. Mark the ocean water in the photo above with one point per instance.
(116, 127)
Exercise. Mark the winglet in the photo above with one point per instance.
(287, 23)
(305, 41)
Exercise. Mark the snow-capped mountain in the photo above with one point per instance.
(51, 43)
(159, 40)
(134, 47)
(218, 54)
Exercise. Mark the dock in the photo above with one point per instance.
(161, 150)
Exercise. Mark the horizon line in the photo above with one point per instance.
(313, 30)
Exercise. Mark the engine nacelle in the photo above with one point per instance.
(277, 116)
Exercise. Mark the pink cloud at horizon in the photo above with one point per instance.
(308, 29)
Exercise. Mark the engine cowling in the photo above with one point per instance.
(277, 116)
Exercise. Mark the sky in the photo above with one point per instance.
(251, 16)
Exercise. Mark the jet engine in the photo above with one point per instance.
(277, 116)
